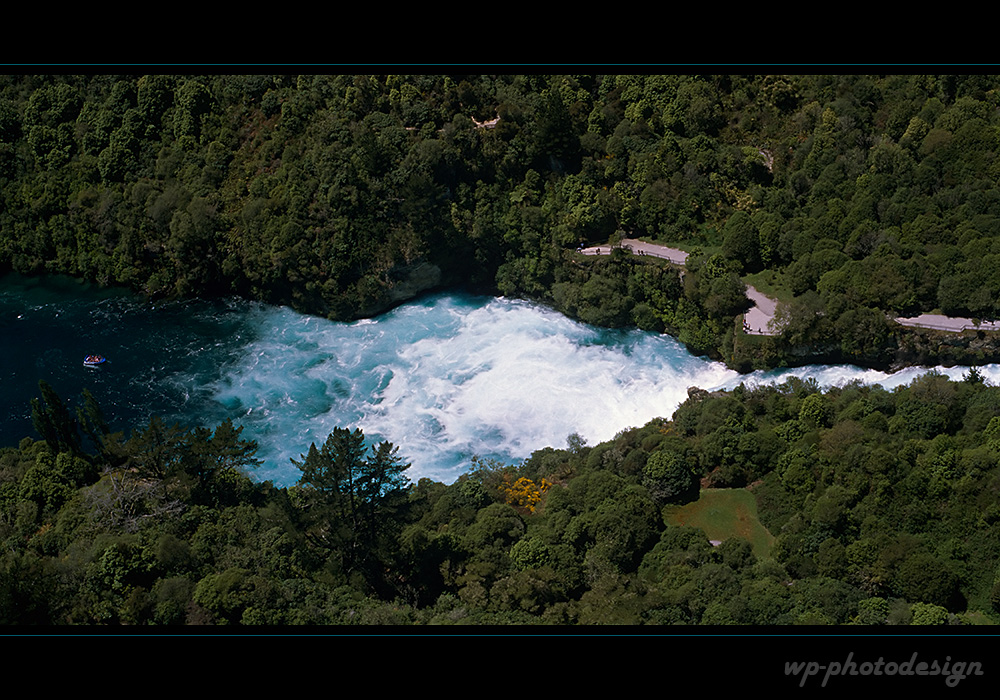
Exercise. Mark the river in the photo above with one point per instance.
(444, 378)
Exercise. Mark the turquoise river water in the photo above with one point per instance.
(444, 378)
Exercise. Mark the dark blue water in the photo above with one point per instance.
(443, 378)
(161, 355)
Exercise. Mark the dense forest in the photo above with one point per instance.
(868, 507)
(853, 199)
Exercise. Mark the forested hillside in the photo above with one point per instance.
(852, 198)
(871, 507)
(856, 197)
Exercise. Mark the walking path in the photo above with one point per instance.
(948, 323)
(638, 247)
(757, 321)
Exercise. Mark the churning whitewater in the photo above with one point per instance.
(451, 377)
(444, 378)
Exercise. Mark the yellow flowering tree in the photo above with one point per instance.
(523, 493)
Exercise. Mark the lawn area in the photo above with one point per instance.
(770, 283)
(724, 513)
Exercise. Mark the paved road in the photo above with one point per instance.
(756, 321)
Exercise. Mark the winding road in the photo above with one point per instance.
(757, 321)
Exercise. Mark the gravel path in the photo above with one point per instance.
(756, 321)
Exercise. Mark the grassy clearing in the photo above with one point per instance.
(771, 284)
(724, 513)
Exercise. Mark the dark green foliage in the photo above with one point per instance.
(669, 478)
(52, 420)
(345, 194)
(741, 241)
(864, 197)
(874, 523)
(353, 495)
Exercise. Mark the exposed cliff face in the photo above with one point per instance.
(909, 347)
(412, 280)
(403, 284)
(905, 347)
(930, 347)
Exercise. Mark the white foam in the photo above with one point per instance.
(452, 377)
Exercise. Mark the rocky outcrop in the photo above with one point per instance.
(932, 347)
(411, 280)
(402, 284)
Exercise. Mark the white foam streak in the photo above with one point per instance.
(453, 377)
